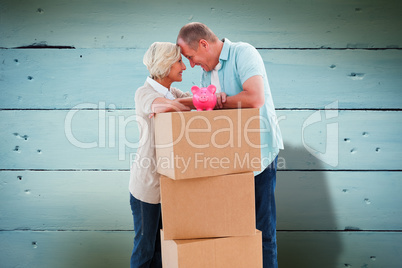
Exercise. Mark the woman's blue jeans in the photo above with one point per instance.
(147, 244)
(265, 209)
(148, 222)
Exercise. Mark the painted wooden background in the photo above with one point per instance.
(68, 73)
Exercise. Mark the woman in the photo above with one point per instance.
(165, 66)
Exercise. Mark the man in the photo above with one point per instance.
(238, 72)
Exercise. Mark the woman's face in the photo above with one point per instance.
(176, 71)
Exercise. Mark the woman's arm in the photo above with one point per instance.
(163, 105)
(187, 101)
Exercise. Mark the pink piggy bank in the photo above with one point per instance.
(204, 98)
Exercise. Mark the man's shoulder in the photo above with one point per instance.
(240, 45)
(241, 48)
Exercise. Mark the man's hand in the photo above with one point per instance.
(220, 100)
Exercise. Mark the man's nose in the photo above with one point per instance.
(192, 64)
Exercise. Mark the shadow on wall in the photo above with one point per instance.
(305, 218)
(98, 249)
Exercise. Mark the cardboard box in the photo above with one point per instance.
(208, 207)
(230, 252)
(207, 143)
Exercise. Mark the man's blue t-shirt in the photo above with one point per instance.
(239, 62)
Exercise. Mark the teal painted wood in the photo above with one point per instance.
(341, 140)
(65, 78)
(113, 249)
(103, 73)
(100, 139)
(74, 139)
(322, 200)
(60, 201)
(99, 200)
(65, 249)
(136, 24)
(62, 79)
(333, 250)
(356, 79)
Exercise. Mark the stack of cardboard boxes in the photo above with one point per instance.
(206, 160)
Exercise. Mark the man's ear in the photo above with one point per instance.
(204, 44)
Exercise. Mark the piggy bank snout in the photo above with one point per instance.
(203, 98)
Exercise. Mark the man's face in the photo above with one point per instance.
(196, 57)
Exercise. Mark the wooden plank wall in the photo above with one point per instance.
(68, 73)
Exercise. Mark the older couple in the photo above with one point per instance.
(238, 72)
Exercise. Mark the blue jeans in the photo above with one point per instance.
(147, 244)
(265, 209)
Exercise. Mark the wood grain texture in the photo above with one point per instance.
(68, 74)
(341, 140)
(317, 200)
(136, 24)
(100, 139)
(63, 79)
(333, 250)
(65, 201)
(111, 249)
(99, 201)
(65, 249)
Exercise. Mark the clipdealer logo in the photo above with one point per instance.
(198, 161)
(236, 130)
(331, 154)
(111, 130)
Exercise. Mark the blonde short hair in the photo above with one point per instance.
(160, 57)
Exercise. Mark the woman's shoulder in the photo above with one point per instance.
(145, 86)
(144, 89)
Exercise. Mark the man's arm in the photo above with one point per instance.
(252, 95)
(220, 99)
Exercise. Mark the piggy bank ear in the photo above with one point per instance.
(211, 88)
(194, 89)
